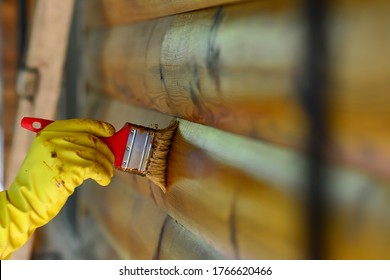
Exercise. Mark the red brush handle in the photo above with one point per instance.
(116, 143)
(34, 124)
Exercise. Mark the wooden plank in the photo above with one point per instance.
(104, 13)
(244, 197)
(42, 49)
(208, 67)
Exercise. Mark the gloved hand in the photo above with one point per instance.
(61, 157)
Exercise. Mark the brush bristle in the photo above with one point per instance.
(157, 167)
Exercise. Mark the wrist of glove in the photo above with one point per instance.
(61, 157)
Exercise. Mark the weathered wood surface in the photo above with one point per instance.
(104, 13)
(241, 196)
(235, 68)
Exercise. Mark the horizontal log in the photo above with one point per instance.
(235, 68)
(103, 13)
(125, 230)
(245, 198)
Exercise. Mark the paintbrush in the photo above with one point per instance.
(137, 149)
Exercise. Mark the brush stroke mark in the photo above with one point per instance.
(233, 226)
(213, 51)
(158, 249)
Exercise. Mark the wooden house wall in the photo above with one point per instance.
(237, 168)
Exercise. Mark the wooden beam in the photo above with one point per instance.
(235, 68)
(46, 55)
(108, 13)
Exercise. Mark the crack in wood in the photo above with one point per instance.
(213, 51)
(233, 226)
(160, 238)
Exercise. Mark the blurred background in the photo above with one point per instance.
(283, 148)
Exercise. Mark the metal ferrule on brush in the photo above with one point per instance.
(138, 150)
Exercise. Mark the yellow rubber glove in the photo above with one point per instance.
(61, 157)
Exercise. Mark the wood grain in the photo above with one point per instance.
(208, 67)
(170, 65)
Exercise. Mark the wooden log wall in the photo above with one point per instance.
(228, 200)
(235, 68)
(237, 170)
